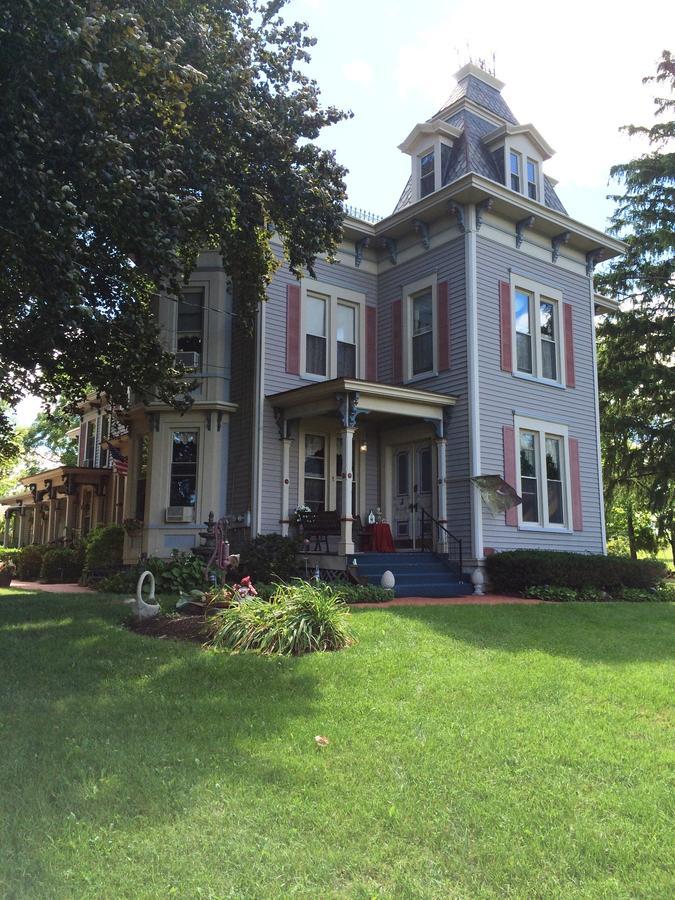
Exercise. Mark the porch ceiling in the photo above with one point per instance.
(321, 398)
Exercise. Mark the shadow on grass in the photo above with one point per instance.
(614, 633)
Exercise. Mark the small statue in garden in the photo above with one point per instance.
(143, 610)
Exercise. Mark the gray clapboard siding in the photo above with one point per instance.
(448, 263)
(501, 393)
(277, 379)
(241, 424)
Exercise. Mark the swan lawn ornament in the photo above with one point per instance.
(143, 610)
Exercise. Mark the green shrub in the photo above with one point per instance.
(182, 573)
(590, 594)
(299, 618)
(555, 593)
(119, 583)
(269, 557)
(515, 570)
(639, 595)
(29, 561)
(350, 593)
(103, 550)
(7, 553)
(62, 564)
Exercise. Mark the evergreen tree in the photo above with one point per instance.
(636, 359)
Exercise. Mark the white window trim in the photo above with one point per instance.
(537, 180)
(330, 435)
(540, 292)
(544, 429)
(409, 291)
(333, 295)
(519, 156)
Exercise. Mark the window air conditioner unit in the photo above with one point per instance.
(189, 359)
(180, 514)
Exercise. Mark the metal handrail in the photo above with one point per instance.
(441, 527)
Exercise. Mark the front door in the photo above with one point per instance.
(413, 492)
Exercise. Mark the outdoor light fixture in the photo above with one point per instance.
(364, 447)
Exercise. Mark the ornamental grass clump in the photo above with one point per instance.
(298, 618)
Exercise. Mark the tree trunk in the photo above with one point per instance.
(630, 528)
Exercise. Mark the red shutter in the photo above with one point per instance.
(443, 327)
(371, 343)
(505, 326)
(396, 346)
(569, 345)
(577, 515)
(293, 329)
(82, 448)
(509, 438)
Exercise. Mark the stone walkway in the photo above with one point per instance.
(51, 588)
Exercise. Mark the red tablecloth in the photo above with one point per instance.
(381, 540)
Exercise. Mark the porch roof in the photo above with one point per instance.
(57, 477)
(321, 397)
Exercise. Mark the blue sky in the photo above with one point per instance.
(573, 70)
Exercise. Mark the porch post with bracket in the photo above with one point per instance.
(442, 493)
(347, 411)
(5, 537)
(19, 534)
(346, 545)
(50, 520)
(285, 482)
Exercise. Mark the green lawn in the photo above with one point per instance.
(474, 752)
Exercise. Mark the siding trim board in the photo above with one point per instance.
(575, 482)
(371, 343)
(396, 340)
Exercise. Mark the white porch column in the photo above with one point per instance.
(19, 531)
(5, 537)
(285, 483)
(50, 522)
(346, 545)
(442, 492)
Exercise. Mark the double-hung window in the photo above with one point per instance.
(190, 327)
(543, 474)
(422, 333)
(537, 331)
(184, 460)
(514, 169)
(333, 326)
(315, 472)
(427, 173)
(532, 180)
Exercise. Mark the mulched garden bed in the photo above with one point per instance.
(177, 628)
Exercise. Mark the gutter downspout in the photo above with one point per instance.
(473, 379)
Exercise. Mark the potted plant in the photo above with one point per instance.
(302, 516)
(7, 572)
(132, 527)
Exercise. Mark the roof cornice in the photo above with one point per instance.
(495, 136)
(434, 127)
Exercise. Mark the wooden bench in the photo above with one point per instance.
(327, 523)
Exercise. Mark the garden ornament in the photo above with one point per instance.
(388, 580)
(141, 609)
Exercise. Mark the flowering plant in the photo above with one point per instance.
(245, 588)
(7, 567)
(302, 515)
(132, 526)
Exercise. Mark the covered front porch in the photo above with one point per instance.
(356, 447)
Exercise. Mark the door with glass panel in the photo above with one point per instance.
(412, 493)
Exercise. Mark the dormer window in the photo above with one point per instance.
(514, 168)
(427, 174)
(532, 179)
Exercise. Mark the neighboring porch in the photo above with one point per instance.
(61, 505)
(353, 447)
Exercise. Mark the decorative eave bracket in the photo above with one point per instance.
(527, 222)
(359, 247)
(422, 228)
(458, 212)
(390, 246)
(481, 208)
(592, 259)
(348, 408)
(282, 422)
(557, 242)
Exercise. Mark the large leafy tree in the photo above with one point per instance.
(636, 364)
(133, 133)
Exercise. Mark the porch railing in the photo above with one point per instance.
(434, 531)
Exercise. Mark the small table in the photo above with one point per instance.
(381, 540)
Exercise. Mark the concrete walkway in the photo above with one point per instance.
(486, 600)
(51, 588)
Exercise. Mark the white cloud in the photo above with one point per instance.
(26, 410)
(358, 70)
(574, 71)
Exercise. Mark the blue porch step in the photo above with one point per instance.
(417, 574)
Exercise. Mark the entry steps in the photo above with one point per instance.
(416, 574)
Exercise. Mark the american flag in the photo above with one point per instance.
(120, 463)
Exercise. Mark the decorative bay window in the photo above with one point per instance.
(184, 462)
(190, 327)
